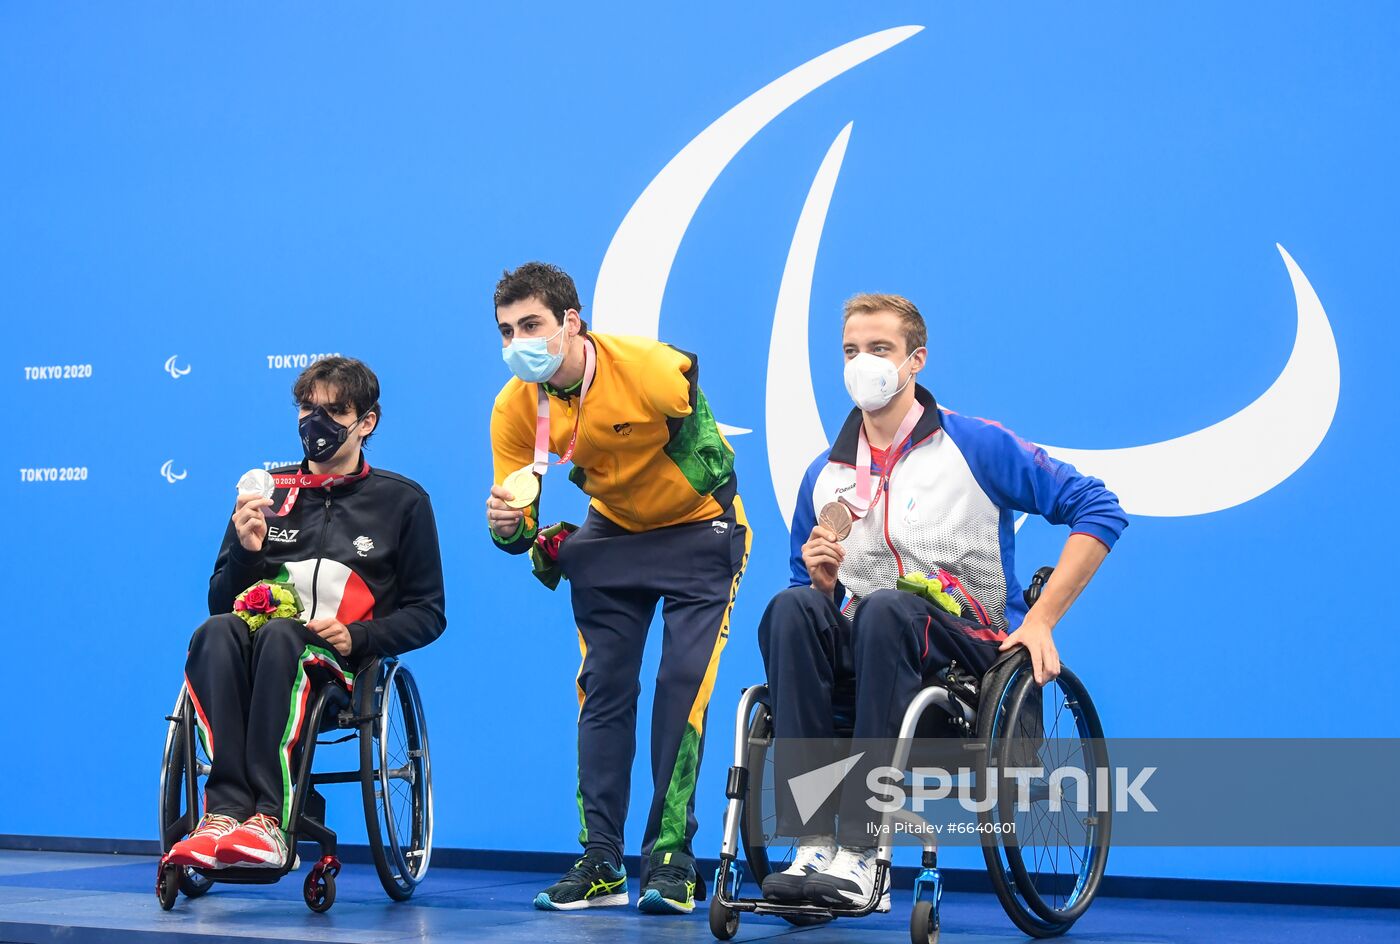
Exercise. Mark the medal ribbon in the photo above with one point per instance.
(862, 503)
(294, 482)
(541, 464)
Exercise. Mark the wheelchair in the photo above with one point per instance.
(1045, 869)
(395, 778)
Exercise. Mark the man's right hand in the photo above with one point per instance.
(249, 522)
(822, 556)
(501, 517)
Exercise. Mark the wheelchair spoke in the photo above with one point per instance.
(1053, 841)
(402, 781)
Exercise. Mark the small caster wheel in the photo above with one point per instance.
(724, 922)
(193, 884)
(923, 923)
(319, 889)
(167, 885)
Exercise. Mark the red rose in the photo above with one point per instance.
(259, 599)
(549, 546)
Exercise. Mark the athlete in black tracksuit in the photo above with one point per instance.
(364, 552)
(360, 547)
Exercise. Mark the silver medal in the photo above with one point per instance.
(256, 482)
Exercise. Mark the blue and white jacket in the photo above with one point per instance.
(950, 503)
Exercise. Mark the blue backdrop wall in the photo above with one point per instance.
(1085, 203)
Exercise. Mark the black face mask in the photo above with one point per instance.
(321, 436)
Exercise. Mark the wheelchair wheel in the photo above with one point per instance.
(764, 859)
(1047, 868)
(724, 922)
(318, 889)
(923, 923)
(396, 782)
(179, 804)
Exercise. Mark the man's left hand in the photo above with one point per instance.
(1035, 636)
(334, 632)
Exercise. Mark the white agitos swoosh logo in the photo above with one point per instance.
(632, 279)
(810, 790)
(172, 370)
(170, 476)
(1223, 465)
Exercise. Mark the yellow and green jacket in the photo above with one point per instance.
(648, 453)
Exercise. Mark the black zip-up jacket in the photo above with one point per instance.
(365, 552)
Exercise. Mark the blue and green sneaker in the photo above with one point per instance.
(670, 885)
(593, 882)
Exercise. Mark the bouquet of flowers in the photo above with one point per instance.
(544, 553)
(267, 600)
(937, 588)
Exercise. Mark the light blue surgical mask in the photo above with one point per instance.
(530, 358)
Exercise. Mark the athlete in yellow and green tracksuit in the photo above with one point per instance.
(665, 523)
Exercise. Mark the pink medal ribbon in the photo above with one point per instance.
(542, 463)
(862, 503)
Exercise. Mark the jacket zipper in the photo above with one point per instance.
(972, 601)
(885, 487)
(320, 550)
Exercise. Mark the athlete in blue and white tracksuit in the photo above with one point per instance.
(949, 503)
(940, 499)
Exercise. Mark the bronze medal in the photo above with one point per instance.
(836, 517)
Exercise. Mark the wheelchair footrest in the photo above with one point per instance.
(774, 908)
(245, 876)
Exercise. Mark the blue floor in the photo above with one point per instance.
(75, 898)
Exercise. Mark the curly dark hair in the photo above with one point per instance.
(352, 382)
(549, 283)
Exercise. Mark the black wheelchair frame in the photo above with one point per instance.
(1037, 903)
(368, 712)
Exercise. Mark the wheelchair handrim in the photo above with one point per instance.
(1093, 854)
(398, 684)
(172, 730)
(756, 847)
(192, 882)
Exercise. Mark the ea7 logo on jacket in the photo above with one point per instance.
(283, 535)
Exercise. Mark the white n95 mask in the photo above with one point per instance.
(873, 381)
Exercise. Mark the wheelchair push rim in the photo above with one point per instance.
(754, 836)
(396, 779)
(1048, 870)
(178, 816)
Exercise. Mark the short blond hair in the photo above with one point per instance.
(910, 321)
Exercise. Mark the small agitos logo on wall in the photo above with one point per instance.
(173, 369)
(167, 471)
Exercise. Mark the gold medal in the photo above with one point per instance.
(836, 517)
(523, 486)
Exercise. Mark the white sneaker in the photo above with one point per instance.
(848, 881)
(814, 853)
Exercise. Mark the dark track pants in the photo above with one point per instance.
(814, 656)
(251, 694)
(616, 578)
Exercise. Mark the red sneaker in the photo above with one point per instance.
(198, 848)
(259, 843)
